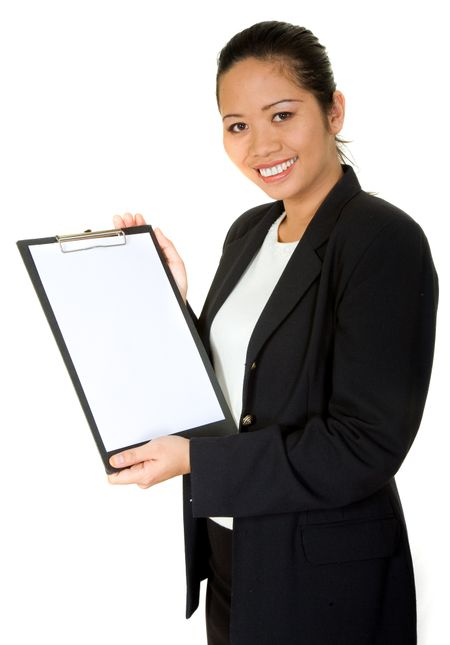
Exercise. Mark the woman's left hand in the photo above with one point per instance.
(152, 463)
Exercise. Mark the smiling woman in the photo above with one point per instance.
(320, 323)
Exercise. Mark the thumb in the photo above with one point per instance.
(167, 247)
(163, 241)
(131, 457)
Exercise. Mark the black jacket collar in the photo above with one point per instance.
(302, 269)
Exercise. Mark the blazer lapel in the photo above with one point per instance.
(305, 264)
(236, 258)
(302, 269)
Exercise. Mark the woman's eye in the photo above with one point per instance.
(237, 127)
(282, 116)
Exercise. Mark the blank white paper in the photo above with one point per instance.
(132, 349)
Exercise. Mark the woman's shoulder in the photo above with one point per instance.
(367, 217)
(372, 230)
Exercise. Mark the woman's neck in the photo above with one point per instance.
(301, 210)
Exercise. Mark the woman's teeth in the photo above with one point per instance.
(275, 170)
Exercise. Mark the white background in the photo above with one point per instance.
(107, 107)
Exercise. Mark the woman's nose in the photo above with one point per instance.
(263, 143)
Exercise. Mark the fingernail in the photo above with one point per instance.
(118, 460)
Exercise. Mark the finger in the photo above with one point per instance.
(128, 458)
(118, 222)
(128, 219)
(133, 475)
(140, 220)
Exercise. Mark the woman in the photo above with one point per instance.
(320, 324)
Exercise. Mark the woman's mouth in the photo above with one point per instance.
(277, 171)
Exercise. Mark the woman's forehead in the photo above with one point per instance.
(253, 82)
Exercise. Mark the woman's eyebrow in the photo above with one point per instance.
(266, 107)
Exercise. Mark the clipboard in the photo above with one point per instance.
(131, 348)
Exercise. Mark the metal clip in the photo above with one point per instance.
(90, 240)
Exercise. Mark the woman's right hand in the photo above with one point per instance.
(173, 259)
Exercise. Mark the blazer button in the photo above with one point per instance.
(248, 420)
(253, 366)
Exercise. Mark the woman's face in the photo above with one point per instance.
(276, 132)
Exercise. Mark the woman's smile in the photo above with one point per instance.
(276, 170)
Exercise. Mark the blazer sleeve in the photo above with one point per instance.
(381, 365)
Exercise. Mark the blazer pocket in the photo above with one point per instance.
(350, 541)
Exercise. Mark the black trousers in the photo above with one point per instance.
(218, 591)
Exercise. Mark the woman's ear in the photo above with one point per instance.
(336, 113)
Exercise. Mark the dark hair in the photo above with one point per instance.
(306, 60)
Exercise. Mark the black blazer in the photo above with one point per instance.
(336, 378)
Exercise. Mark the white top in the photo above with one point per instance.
(233, 324)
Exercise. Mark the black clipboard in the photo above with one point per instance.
(90, 285)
